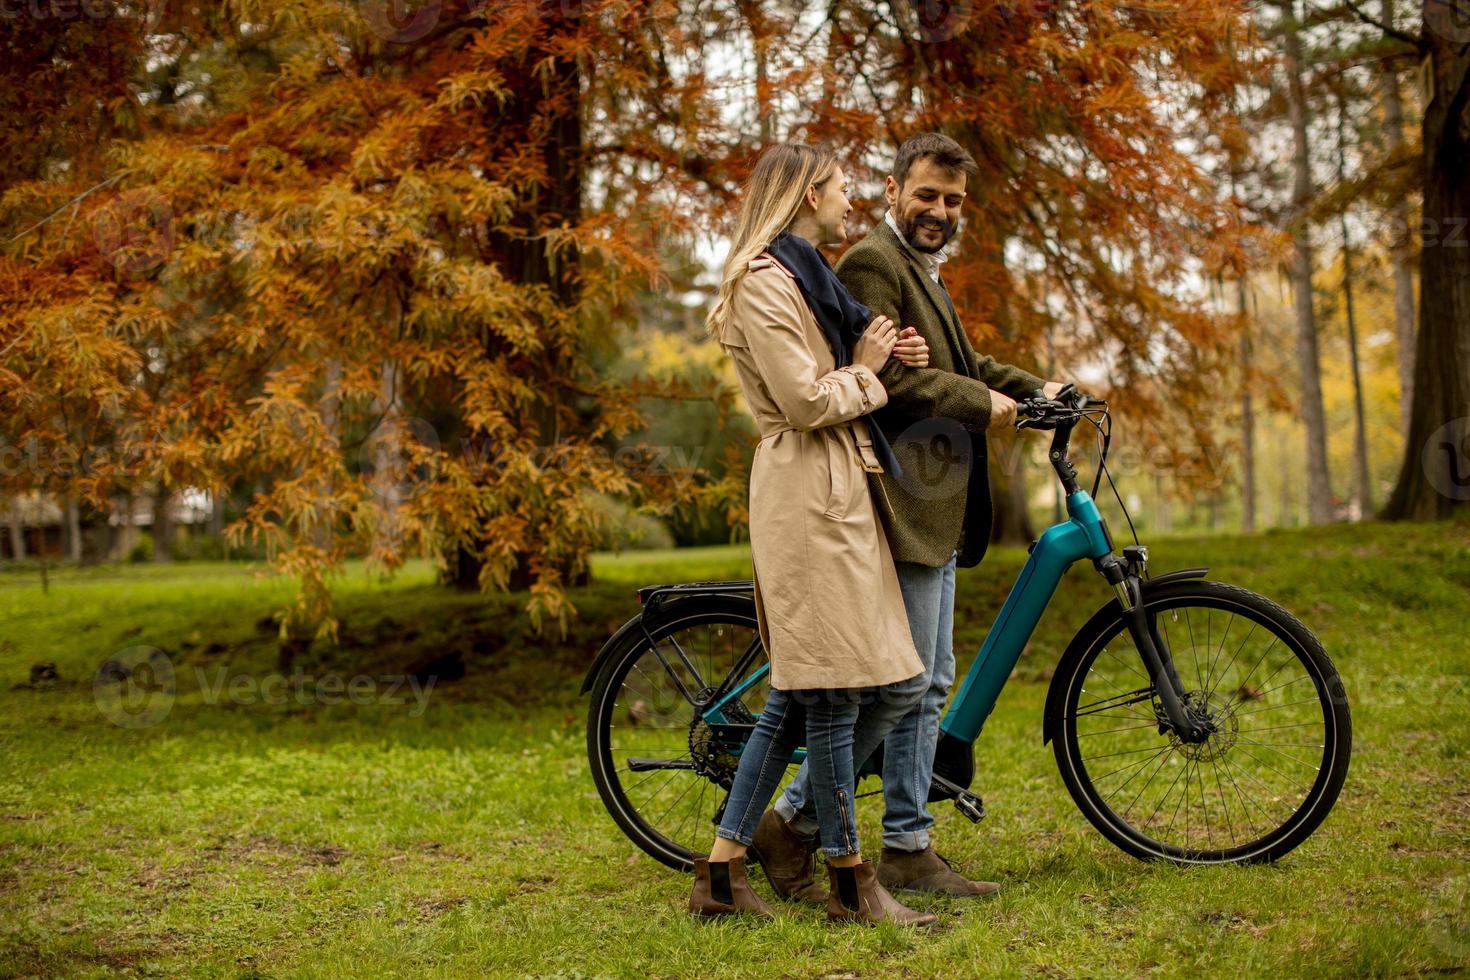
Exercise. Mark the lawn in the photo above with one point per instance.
(309, 829)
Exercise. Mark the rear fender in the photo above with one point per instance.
(658, 609)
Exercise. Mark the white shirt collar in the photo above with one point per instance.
(932, 259)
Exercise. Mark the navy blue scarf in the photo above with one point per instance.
(842, 318)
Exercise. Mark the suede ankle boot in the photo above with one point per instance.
(720, 888)
(857, 896)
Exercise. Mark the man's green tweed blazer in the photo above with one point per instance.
(936, 416)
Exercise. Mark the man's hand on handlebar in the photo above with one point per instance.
(1002, 408)
(1052, 403)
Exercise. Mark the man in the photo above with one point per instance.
(937, 513)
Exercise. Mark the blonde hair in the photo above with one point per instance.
(773, 197)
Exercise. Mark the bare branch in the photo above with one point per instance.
(1394, 32)
(76, 200)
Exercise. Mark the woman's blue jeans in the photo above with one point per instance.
(823, 721)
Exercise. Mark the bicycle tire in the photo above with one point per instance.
(611, 703)
(1230, 752)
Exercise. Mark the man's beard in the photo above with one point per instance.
(910, 231)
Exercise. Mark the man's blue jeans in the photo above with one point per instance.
(908, 716)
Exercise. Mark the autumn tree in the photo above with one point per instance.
(360, 223)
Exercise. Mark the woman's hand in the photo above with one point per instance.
(911, 349)
(875, 345)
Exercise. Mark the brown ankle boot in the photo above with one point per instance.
(720, 888)
(856, 896)
(928, 871)
(788, 860)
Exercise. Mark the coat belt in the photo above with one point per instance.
(867, 458)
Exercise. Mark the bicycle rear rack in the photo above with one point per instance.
(653, 597)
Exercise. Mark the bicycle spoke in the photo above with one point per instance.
(1162, 763)
(1101, 707)
(1110, 731)
(1275, 707)
(1130, 765)
(1215, 655)
(1214, 687)
(1224, 806)
(1283, 755)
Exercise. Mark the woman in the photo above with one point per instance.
(828, 603)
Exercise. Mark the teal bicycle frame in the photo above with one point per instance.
(1084, 535)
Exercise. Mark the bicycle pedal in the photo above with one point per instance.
(970, 805)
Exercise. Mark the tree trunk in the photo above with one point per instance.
(1247, 418)
(1319, 485)
(330, 406)
(1402, 247)
(127, 533)
(1007, 459)
(163, 526)
(387, 459)
(1360, 433)
(1288, 501)
(1163, 516)
(17, 530)
(73, 530)
(525, 257)
(1435, 475)
(217, 513)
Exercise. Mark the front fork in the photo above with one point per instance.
(1125, 575)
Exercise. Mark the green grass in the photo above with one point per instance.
(329, 839)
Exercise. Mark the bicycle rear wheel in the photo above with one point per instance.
(661, 772)
(1260, 784)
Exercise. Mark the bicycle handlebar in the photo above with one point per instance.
(1040, 412)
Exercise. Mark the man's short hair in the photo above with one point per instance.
(945, 152)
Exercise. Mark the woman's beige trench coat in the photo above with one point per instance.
(826, 591)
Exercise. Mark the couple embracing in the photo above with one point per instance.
(854, 574)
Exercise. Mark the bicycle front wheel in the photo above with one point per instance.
(661, 771)
(1266, 777)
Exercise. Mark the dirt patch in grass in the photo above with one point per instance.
(269, 849)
